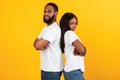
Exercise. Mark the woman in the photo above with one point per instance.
(72, 47)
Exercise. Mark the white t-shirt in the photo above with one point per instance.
(73, 62)
(51, 58)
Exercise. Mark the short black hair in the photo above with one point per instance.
(53, 5)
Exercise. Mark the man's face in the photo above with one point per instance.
(49, 14)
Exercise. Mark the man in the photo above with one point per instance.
(48, 42)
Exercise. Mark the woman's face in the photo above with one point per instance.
(73, 23)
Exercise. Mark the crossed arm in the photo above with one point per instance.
(40, 44)
(79, 48)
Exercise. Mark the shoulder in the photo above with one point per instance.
(71, 35)
(70, 32)
(54, 26)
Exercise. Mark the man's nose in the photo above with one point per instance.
(46, 13)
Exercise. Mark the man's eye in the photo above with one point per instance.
(49, 11)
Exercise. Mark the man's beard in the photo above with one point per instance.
(50, 20)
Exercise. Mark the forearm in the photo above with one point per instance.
(79, 51)
(79, 48)
(40, 44)
(37, 46)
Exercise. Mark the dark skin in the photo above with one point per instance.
(79, 48)
(41, 44)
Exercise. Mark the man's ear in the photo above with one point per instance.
(56, 13)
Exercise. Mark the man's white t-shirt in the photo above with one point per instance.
(51, 58)
(73, 62)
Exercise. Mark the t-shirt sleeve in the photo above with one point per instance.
(50, 35)
(70, 37)
(40, 35)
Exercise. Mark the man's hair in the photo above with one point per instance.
(53, 5)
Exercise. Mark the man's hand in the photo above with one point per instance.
(45, 47)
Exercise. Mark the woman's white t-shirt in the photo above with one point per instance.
(51, 58)
(73, 62)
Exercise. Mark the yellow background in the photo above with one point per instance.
(98, 28)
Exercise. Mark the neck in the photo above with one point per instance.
(50, 23)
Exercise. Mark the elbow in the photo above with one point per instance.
(83, 52)
(36, 46)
